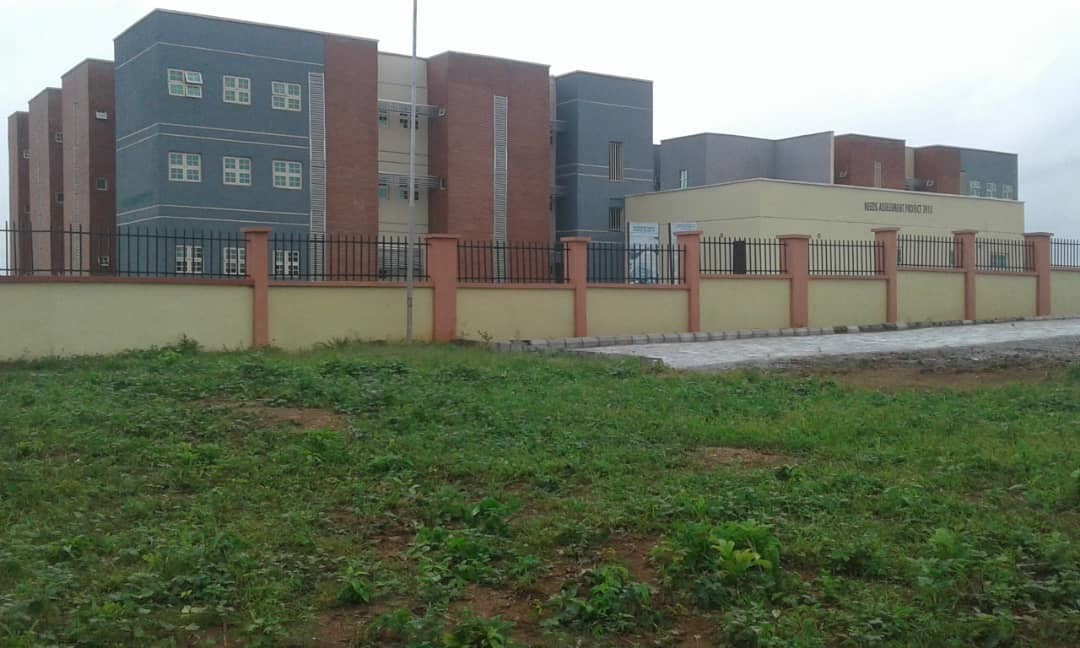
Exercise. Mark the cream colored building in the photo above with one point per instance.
(394, 145)
(766, 208)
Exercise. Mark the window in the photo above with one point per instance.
(236, 90)
(58, 137)
(189, 259)
(185, 167)
(185, 83)
(684, 178)
(991, 189)
(974, 187)
(234, 260)
(403, 119)
(1007, 191)
(877, 174)
(103, 261)
(288, 175)
(615, 219)
(101, 184)
(285, 96)
(287, 263)
(60, 197)
(615, 162)
(103, 116)
(26, 154)
(382, 118)
(405, 195)
(236, 171)
(384, 191)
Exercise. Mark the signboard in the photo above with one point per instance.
(642, 252)
(903, 208)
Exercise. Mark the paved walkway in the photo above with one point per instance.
(764, 351)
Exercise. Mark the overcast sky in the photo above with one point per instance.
(979, 73)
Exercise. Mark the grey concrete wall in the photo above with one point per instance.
(683, 153)
(731, 157)
(807, 158)
(712, 158)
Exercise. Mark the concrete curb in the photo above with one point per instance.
(573, 344)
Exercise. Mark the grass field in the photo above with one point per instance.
(375, 495)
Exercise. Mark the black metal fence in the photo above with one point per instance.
(1064, 253)
(850, 258)
(344, 257)
(1004, 255)
(914, 251)
(742, 256)
(636, 264)
(127, 252)
(509, 262)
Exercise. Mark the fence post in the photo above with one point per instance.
(886, 264)
(690, 242)
(1040, 244)
(258, 270)
(796, 263)
(443, 270)
(965, 239)
(577, 275)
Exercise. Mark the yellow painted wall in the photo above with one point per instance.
(629, 311)
(929, 296)
(838, 302)
(1003, 296)
(766, 208)
(302, 316)
(735, 304)
(44, 319)
(509, 314)
(1065, 293)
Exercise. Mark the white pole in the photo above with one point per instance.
(409, 242)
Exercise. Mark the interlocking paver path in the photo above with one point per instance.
(764, 351)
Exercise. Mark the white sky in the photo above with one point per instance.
(983, 74)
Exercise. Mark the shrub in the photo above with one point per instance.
(604, 599)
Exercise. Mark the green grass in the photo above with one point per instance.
(140, 504)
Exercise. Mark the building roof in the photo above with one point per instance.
(877, 137)
(240, 22)
(760, 139)
(602, 74)
(84, 62)
(486, 56)
(962, 148)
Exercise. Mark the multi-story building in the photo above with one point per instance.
(20, 247)
(604, 151)
(867, 161)
(714, 158)
(965, 171)
(89, 160)
(46, 171)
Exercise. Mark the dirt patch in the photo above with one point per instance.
(633, 552)
(299, 418)
(521, 609)
(720, 456)
(908, 377)
(694, 631)
(345, 626)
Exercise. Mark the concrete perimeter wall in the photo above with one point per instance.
(1065, 292)
(41, 319)
(303, 316)
(515, 314)
(930, 296)
(739, 304)
(636, 311)
(839, 302)
(1000, 296)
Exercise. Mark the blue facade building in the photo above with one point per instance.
(604, 152)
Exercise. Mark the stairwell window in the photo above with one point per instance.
(615, 161)
(236, 90)
(234, 260)
(286, 263)
(185, 167)
(189, 259)
(185, 83)
(615, 219)
(285, 96)
(288, 175)
(236, 171)
(684, 178)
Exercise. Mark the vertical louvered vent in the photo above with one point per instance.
(500, 159)
(317, 143)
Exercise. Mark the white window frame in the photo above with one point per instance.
(286, 263)
(184, 83)
(615, 162)
(240, 89)
(189, 259)
(404, 193)
(190, 167)
(384, 191)
(684, 178)
(284, 177)
(237, 171)
(285, 95)
(234, 261)
(1007, 191)
(991, 190)
(974, 188)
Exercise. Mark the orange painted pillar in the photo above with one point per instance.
(965, 241)
(258, 270)
(886, 265)
(1040, 247)
(577, 276)
(796, 263)
(690, 242)
(443, 270)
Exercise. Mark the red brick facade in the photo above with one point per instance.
(46, 180)
(941, 164)
(461, 146)
(90, 157)
(20, 249)
(855, 155)
(352, 136)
